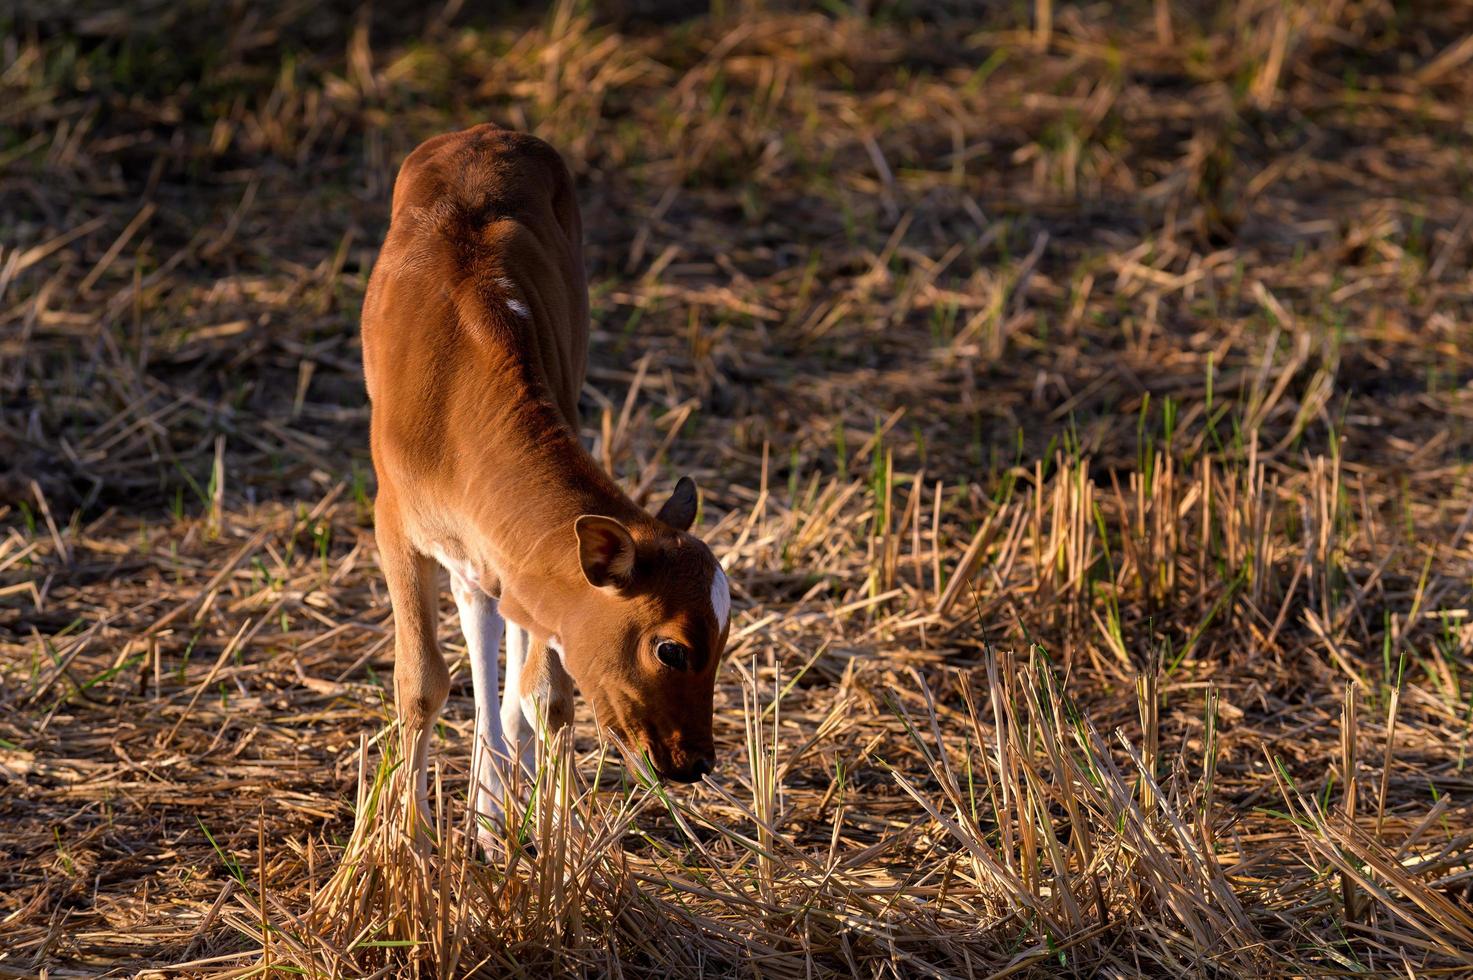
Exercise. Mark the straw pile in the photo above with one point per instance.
(1081, 397)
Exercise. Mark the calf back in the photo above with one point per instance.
(479, 297)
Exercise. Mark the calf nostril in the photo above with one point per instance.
(703, 767)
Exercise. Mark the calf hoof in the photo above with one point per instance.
(498, 840)
(420, 827)
(488, 842)
(491, 829)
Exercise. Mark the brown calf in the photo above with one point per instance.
(475, 339)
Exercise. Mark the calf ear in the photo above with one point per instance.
(680, 510)
(605, 551)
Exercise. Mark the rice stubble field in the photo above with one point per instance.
(1081, 400)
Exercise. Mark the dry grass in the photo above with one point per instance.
(1082, 398)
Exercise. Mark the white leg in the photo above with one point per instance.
(482, 626)
(518, 730)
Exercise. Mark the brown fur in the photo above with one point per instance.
(474, 442)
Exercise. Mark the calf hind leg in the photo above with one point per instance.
(482, 625)
(516, 729)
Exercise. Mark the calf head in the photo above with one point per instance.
(646, 642)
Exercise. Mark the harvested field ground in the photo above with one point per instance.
(1082, 398)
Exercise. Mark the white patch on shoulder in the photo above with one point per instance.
(720, 598)
(512, 303)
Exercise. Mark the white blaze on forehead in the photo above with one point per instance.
(720, 598)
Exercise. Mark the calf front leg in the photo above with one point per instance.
(546, 695)
(538, 702)
(539, 696)
(421, 680)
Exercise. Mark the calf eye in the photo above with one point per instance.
(672, 654)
